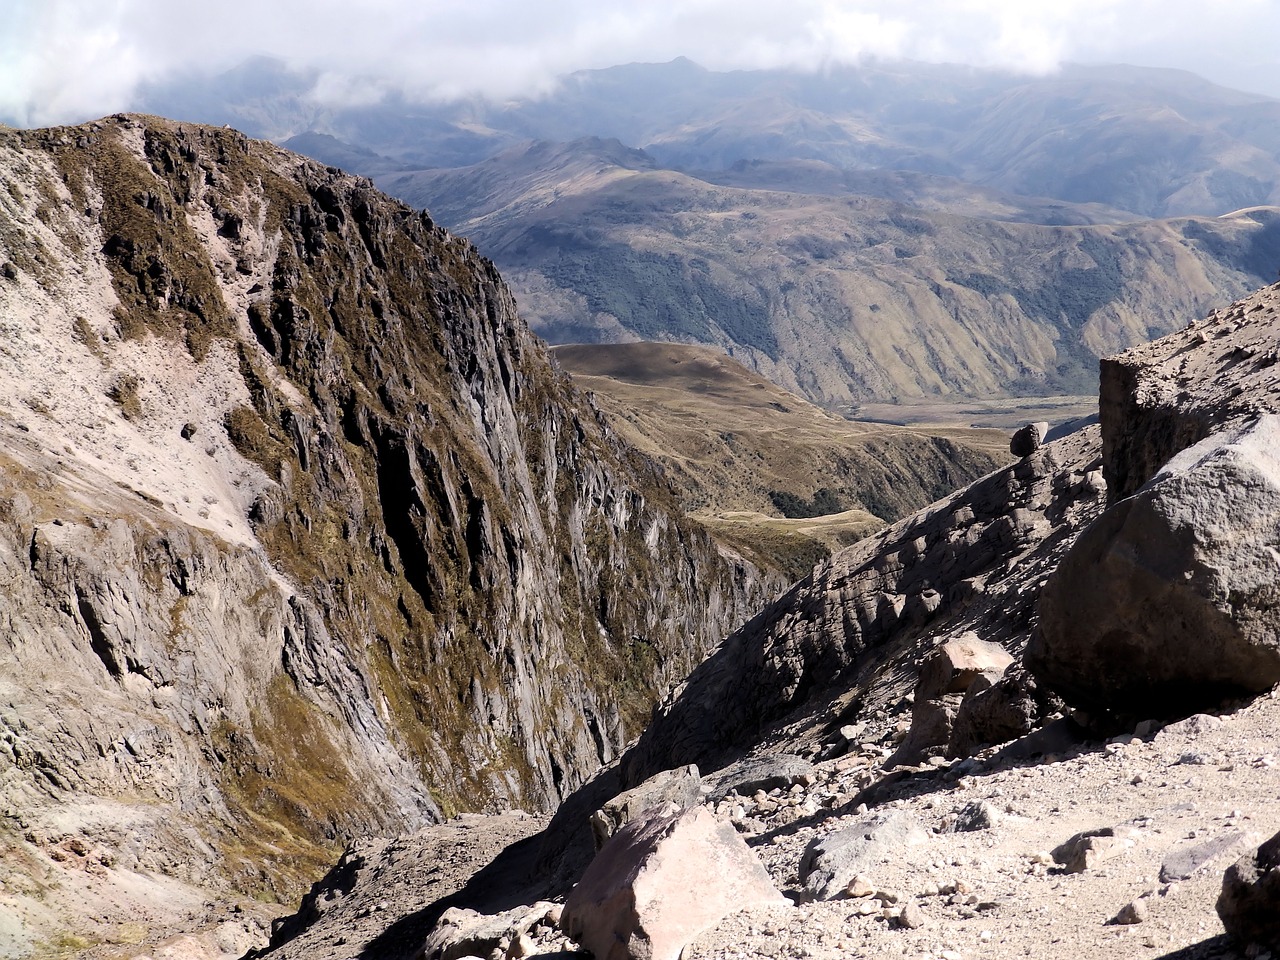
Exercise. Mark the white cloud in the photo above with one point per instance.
(67, 60)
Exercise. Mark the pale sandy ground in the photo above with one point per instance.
(1170, 792)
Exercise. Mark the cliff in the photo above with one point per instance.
(302, 536)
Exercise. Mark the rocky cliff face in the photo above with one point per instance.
(302, 537)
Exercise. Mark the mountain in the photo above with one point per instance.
(303, 538)
(841, 299)
(882, 232)
(892, 742)
(1152, 142)
(782, 480)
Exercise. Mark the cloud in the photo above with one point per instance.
(68, 60)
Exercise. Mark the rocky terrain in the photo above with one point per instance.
(889, 739)
(302, 536)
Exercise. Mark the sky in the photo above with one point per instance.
(64, 61)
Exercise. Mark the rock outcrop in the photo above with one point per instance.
(301, 535)
(1167, 603)
(847, 640)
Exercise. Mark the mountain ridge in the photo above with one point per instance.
(303, 538)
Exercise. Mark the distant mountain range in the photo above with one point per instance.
(881, 232)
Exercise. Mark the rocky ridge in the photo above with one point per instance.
(1106, 832)
(294, 518)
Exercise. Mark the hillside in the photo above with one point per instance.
(302, 536)
(776, 476)
(841, 299)
(947, 741)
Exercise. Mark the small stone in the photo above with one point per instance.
(860, 886)
(1131, 913)
(911, 916)
(1085, 850)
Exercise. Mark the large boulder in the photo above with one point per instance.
(945, 676)
(830, 863)
(1170, 601)
(1249, 904)
(661, 880)
(682, 786)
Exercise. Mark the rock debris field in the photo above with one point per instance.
(960, 864)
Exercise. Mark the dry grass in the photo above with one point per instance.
(732, 442)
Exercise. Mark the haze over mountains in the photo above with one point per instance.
(872, 233)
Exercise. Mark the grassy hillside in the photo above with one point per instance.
(769, 472)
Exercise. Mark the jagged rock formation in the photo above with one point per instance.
(1167, 603)
(302, 536)
(846, 639)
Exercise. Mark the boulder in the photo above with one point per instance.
(1170, 601)
(661, 880)
(954, 665)
(1029, 439)
(682, 786)
(760, 773)
(831, 863)
(1249, 904)
(1001, 710)
(945, 676)
(462, 933)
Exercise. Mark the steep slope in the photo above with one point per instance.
(848, 640)
(840, 299)
(759, 466)
(797, 725)
(303, 538)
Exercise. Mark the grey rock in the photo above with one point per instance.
(461, 933)
(911, 916)
(953, 666)
(1185, 860)
(1085, 850)
(829, 864)
(1131, 913)
(945, 676)
(1168, 602)
(973, 816)
(999, 711)
(681, 787)
(1249, 904)
(759, 773)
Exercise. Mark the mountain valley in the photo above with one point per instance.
(777, 478)
(344, 617)
(872, 233)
